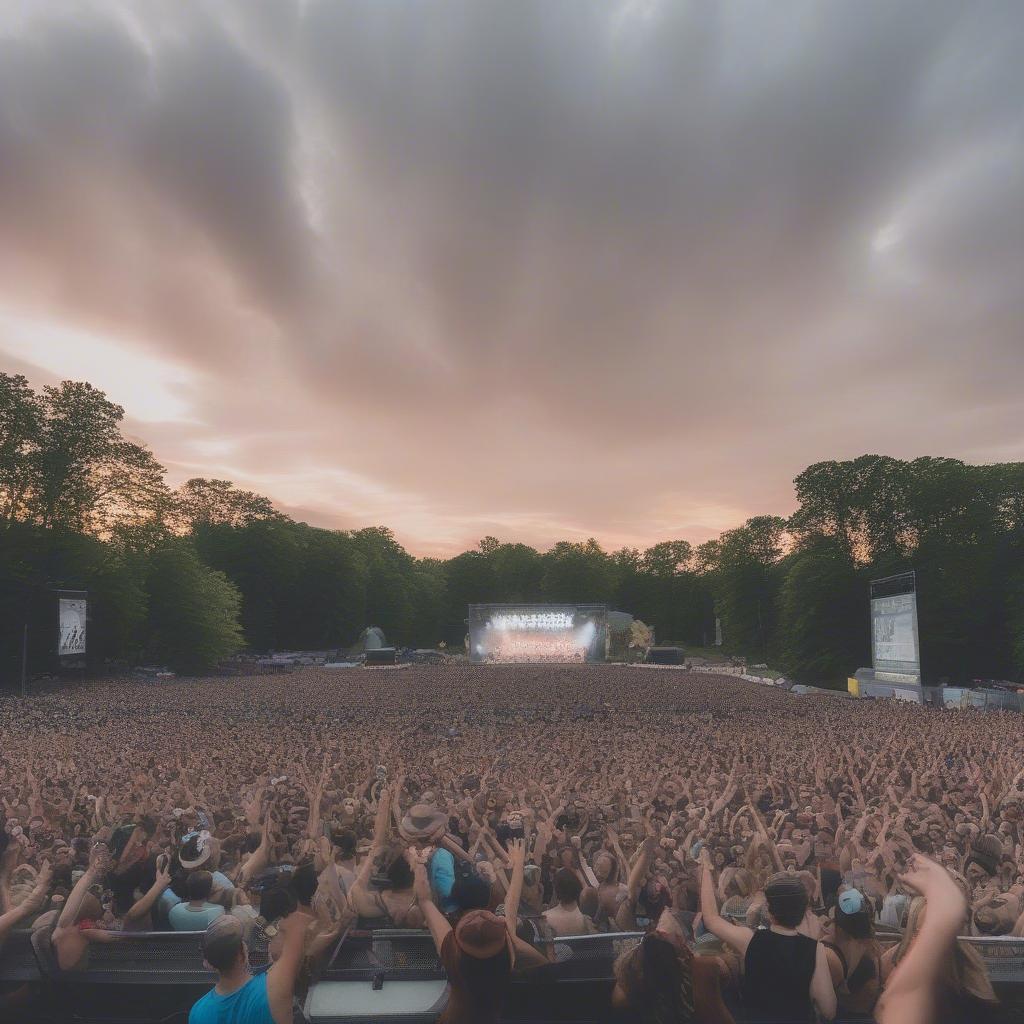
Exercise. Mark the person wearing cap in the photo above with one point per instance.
(784, 972)
(982, 863)
(239, 997)
(854, 957)
(480, 953)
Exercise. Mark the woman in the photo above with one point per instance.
(854, 958)
(967, 996)
(607, 896)
(659, 981)
(784, 972)
(393, 907)
(480, 954)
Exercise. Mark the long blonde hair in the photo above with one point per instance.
(965, 970)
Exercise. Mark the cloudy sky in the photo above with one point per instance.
(543, 269)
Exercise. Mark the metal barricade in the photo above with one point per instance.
(1003, 956)
(17, 960)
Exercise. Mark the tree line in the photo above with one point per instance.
(188, 576)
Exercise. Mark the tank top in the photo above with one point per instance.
(777, 972)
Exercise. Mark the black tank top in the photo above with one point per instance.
(777, 972)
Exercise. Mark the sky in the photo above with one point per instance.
(540, 270)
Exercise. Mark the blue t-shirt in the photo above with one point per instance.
(184, 919)
(441, 872)
(169, 898)
(249, 1005)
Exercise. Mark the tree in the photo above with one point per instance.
(390, 591)
(264, 560)
(578, 573)
(823, 622)
(193, 610)
(518, 572)
(328, 598)
(862, 502)
(88, 477)
(21, 423)
(205, 502)
(745, 581)
(667, 559)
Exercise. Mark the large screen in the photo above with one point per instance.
(72, 626)
(537, 633)
(894, 641)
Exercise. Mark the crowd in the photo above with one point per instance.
(812, 854)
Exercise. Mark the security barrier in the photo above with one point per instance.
(388, 975)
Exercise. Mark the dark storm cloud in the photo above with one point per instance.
(537, 269)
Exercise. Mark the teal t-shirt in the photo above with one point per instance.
(185, 920)
(249, 1005)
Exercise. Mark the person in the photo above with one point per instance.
(854, 958)
(32, 904)
(198, 913)
(425, 827)
(931, 978)
(82, 919)
(480, 954)
(566, 918)
(198, 849)
(784, 972)
(239, 997)
(660, 981)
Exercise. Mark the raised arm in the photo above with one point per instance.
(736, 936)
(145, 903)
(258, 860)
(436, 922)
(359, 894)
(823, 993)
(526, 955)
(281, 976)
(10, 918)
(912, 992)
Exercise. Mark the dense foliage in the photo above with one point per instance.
(192, 575)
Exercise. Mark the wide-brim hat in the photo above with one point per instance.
(423, 822)
(204, 845)
(482, 935)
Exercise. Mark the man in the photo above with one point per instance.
(198, 913)
(239, 997)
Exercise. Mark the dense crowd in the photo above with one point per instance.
(761, 840)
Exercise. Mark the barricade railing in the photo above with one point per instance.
(1003, 956)
(17, 958)
(173, 959)
(138, 958)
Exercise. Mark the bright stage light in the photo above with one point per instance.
(532, 621)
